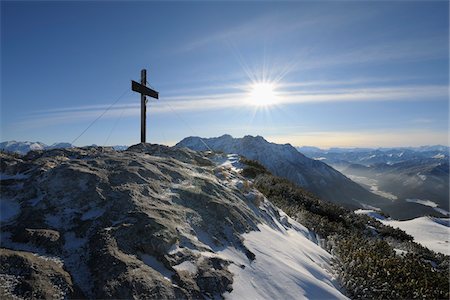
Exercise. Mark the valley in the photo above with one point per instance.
(416, 180)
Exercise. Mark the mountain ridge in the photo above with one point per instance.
(23, 148)
(149, 222)
(285, 161)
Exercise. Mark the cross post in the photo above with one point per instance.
(144, 91)
(143, 107)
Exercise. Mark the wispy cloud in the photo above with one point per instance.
(237, 99)
(393, 51)
(374, 138)
(275, 25)
(402, 93)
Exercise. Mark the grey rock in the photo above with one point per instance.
(113, 219)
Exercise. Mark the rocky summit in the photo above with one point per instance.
(148, 222)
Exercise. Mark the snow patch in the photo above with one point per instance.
(319, 158)
(427, 231)
(228, 161)
(93, 214)
(373, 185)
(9, 209)
(442, 211)
(433, 233)
(421, 176)
(423, 202)
(156, 265)
(186, 266)
(370, 213)
(400, 252)
(430, 204)
(290, 266)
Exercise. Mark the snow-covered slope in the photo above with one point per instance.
(433, 233)
(288, 265)
(286, 161)
(25, 147)
(150, 222)
(21, 147)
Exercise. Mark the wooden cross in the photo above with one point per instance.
(144, 91)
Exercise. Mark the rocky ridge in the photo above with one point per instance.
(285, 161)
(148, 222)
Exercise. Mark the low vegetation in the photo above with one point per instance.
(373, 261)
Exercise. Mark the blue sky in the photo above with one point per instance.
(344, 73)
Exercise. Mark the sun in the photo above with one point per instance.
(262, 94)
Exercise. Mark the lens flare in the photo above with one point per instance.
(262, 94)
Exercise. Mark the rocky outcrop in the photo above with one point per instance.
(29, 276)
(109, 224)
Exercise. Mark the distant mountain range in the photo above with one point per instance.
(286, 161)
(25, 147)
(417, 179)
(343, 157)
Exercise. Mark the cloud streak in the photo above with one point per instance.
(393, 138)
(233, 100)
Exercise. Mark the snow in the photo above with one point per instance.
(373, 185)
(400, 252)
(427, 231)
(421, 176)
(290, 266)
(230, 161)
(92, 214)
(9, 208)
(186, 266)
(156, 265)
(433, 233)
(442, 211)
(54, 259)
(374, 189)
(430, 204)
(423, 202)
(370, 213)
(319, 158)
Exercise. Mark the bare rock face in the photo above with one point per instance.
(45, 238)
(130, 224)
(26, 275)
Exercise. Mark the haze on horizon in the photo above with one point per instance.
(327, 74)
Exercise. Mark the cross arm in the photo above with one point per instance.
(137, 87)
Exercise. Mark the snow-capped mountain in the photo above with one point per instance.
(342, 157)
(286, 161)
(25, 147)
(59, 146)
(21, 147)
